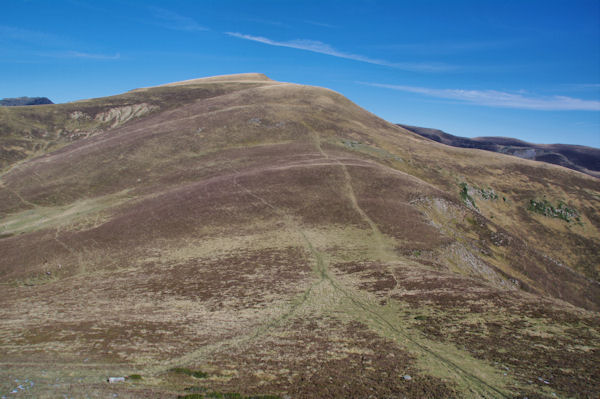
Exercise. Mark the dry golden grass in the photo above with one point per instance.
(285, 241)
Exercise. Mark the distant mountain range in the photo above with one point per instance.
(577, 157)
(13, 102)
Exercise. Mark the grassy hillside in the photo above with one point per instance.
(237, 235)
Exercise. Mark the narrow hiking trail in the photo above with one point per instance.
(357, 299)
(385, 251)
(16, 194)
(328, 295)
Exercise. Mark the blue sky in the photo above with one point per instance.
(526, 69)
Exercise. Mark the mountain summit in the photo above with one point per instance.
(240, 236)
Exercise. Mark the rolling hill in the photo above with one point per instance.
(235, 237)
(576, 157)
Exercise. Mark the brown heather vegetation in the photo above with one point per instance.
(236, 237)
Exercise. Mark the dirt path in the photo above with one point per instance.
(327, 294)
(16, 194)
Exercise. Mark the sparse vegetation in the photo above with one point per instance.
(464, 194)
(190, 372)
(369, 149)
(487, 193)
(467, 191)
(196, 389)
(225, 395)
(561, 211)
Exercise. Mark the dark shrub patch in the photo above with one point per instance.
(562, 211)
(191, 373)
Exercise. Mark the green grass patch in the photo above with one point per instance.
(190, 372)
(471, 221)
(85, 213)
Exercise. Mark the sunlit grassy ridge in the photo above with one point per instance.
(279, 240)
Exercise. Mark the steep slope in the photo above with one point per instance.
(576, 157)
(27, 131)
(284, 241)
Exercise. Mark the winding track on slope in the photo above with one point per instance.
(477, 385)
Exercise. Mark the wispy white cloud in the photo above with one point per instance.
(13, 34)
(321, 24)
(582, 86)
(586, 124)
(494, 98)
(92, 56)
(450, 46)
(172, 20)
(44, 44)
(73, 54)
(266, 22)
(323, 48)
